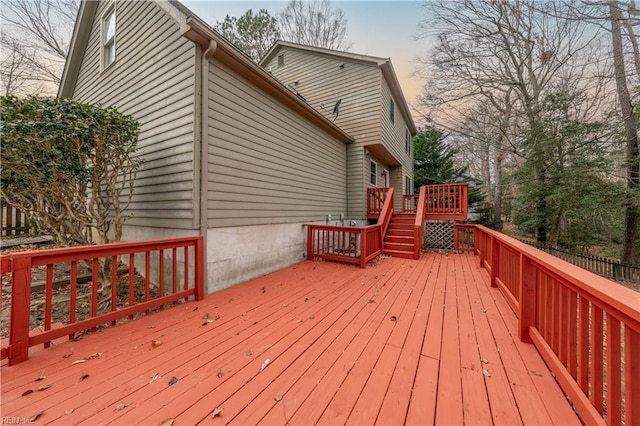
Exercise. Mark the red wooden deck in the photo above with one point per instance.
(404, 341)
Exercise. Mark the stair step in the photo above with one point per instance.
(408, 247)
(403, 219)
(398, 253)
(400, 232)
(398, 239)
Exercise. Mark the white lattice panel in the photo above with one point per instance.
(439, 235)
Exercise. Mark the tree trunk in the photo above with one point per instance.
(631, 137)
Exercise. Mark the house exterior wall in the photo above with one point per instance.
(321, 80)
(394, 137)
(268, 171)
(153, 79)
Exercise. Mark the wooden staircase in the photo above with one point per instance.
(399, 240)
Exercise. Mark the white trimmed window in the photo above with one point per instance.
(109, 38)
(374, 174)
(407, 142)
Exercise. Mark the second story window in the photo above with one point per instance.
(109, 38)
(374, 173)
(281, 59)
(407, 142)
(392, 111)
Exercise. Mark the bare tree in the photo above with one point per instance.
(630, 123)
(314, 23)
(40, 32)
(15, 73)
(508, 55)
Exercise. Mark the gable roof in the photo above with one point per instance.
(385, 65)
(214, 44)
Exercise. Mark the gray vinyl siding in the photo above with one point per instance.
(393, 136)
(152, 79)
(267, 165)
(322, 81)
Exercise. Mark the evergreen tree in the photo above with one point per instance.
(433, 161)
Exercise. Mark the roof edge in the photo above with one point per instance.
(201, 33)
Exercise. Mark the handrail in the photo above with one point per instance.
(350, 244)
(418, 226)
(375, 200)
(184, 279)
(447, 201)
(409, 203)
(586, 327)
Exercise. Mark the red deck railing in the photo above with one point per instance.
(179, 263)
(375, 201)
(410, 203)
(418, 226)
(463, 237)
(350, 244)
(447, 202)
(586, 327)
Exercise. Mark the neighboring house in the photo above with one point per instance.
(372, 109)
(230, 153)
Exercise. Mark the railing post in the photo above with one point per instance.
(456, 238)
(528, 298)
(495, 260)
(20, 309)
(199, 268)
(363, 248)
(309, 243)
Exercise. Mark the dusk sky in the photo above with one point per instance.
(378, 28)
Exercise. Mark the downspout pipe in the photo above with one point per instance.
(203, 195)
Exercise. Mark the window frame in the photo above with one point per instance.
(407, 142)
(281, 60)
(407, 183)
(373, 173)
(107, 44)
(392, 110)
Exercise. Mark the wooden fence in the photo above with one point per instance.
(586, 327)
(14, 221)
(179, 267)
(602, 266)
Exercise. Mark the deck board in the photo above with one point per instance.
(401, 341)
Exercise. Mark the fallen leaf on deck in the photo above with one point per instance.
(249, 352)
(33, 418)
(484, 360)
(39, 378)
(299, 321)
(217, 317)
(232, 299)
(220, 374)
(264, 290)
(278, 397)
(486, 372)
(207, 322)
(173, 380)
(371, 301)
(217, 412)
(312, 317)
(483, 310)
(83, 377)
(306, 299)
(67, 355)
(284, 305)
(394, 318)
(152, 326)
(154, 377)
(95, 355)
(205, 316)
(376, 277)
(264, 364)
(156, 343)
(78, 361)
(167, 422)
(121, 406)
(43, 387)
(196, 308)
(244, 314)
(27, 392)
(536, 373)
(66, 413)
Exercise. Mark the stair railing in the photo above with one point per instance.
(418, 227)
